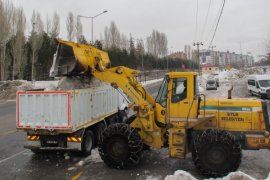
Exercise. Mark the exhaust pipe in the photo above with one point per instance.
(230, 92)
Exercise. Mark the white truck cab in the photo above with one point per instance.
(258, 85)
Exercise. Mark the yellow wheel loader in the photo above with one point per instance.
(214, 130)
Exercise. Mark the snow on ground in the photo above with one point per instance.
(44, 84)
(180, 175)
(145, 83)
(183, 175)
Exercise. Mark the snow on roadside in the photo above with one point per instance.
(180, 175)
(145, 83)
(238, 175)
(45, 84)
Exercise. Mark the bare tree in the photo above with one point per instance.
(37, 38)
(124, 44)
(18, 41)
(70, 24)
(48, 24)
(140, 46)
(112, 36)
(6, 10)
(79, 30)
(157, 43)
(55, 29)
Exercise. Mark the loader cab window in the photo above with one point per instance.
(162, 93)
(179, 90)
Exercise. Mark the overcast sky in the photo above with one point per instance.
(245, 22)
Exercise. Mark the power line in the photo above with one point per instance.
(217, 23)
(213, 25)
(206, 19)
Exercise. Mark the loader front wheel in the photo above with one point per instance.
(216, 153)
(121, 146)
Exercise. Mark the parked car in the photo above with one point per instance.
(211, 84)
(214, 76)
(258, 85)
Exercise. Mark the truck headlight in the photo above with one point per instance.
(263, 90)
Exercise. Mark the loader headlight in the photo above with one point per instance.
(263, 90)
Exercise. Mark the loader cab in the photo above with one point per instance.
(175, 100)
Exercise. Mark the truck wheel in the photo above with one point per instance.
(99, 130)
(216, 153)
(121, 146)
(87, 143)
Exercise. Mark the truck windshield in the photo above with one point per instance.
(264, 83)
(162, 93)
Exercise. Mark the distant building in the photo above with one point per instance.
(223, 59)
(209, 69)
(178, 55)
(188, 51)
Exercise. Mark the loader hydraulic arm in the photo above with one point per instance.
(76, 59)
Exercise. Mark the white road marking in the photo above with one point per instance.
(10, 157)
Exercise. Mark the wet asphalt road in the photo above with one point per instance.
(18, 163)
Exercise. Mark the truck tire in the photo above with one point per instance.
(98, 132)
(87, 143)
(121, 146)
(216, 153)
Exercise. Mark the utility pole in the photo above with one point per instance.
(198, 44)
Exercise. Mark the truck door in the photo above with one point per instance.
(178, 105)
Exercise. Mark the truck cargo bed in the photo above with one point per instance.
(65, 111)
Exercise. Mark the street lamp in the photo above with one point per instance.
(92, 19)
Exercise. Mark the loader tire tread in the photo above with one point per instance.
(216, 153)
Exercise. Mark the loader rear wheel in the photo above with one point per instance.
(121, 146)
(87, 143)
(216, 153)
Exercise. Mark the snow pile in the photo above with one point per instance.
(228, 75)
(70, 83)
(145, 83)
(180, 175)
(44, 84)
(8, 89)
(183, 175)
(268, 178)
(201, 89)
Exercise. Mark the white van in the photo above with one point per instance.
(258, 85)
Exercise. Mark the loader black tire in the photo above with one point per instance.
(121, 146)
(216, 153)
(87, 143)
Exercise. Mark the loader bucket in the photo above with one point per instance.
(73, 59)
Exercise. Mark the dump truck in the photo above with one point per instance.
(214, 131)
(68, 120)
